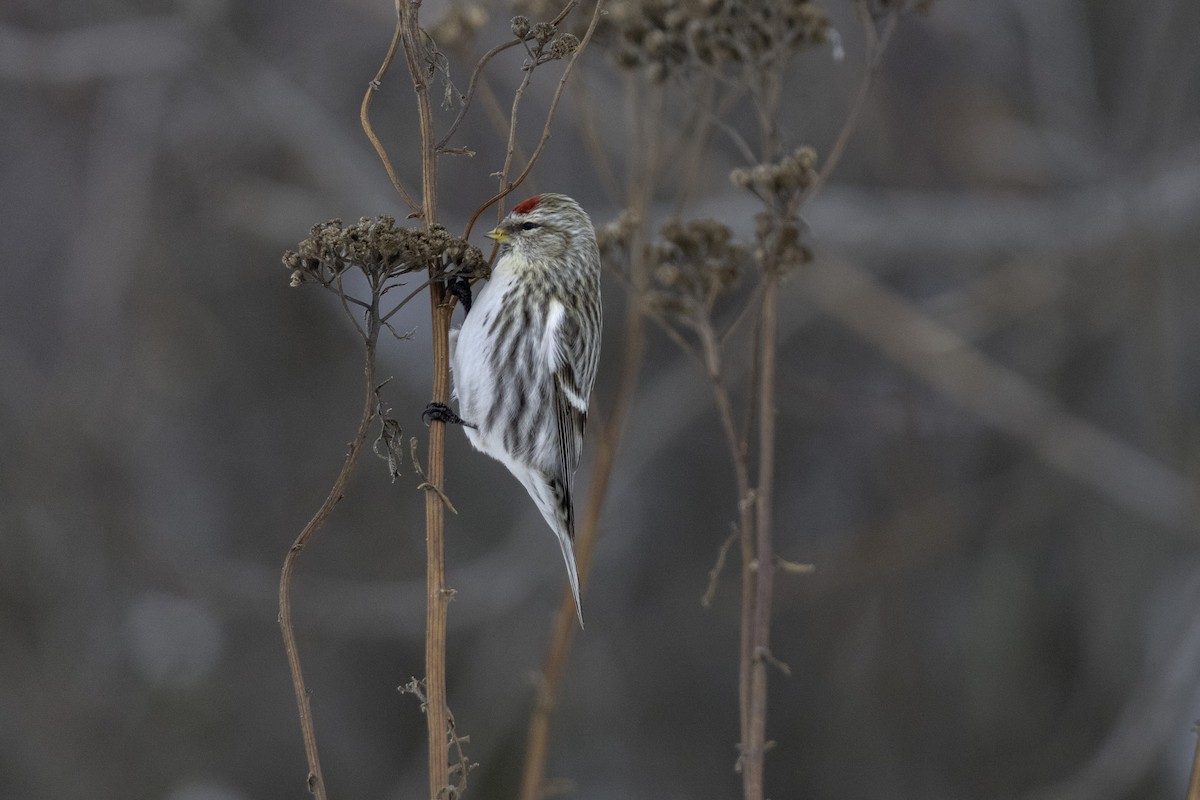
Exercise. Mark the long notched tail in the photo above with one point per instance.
(568, 551)
(554, 501)
(552, 497)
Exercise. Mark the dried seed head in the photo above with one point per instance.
(671, 37)
(544, 32)
(692, 265)
(563, 46)
(373, 245)
(794, 173)
(520, 27)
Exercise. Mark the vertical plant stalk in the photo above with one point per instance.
(758, 557)
(316, 782)
(758, 573)
(437, 595)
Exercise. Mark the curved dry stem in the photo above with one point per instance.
(470, 95)
(408, 297)
(316, 782)
(364, 116)
(513, 115)
(478, 71)
(537, 153)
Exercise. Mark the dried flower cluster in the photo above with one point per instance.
(782, 185)
(792, 174)
(779, 241)
(666, 37)
(614, 238)
(691, 266)
(543, 41)
(381, 249)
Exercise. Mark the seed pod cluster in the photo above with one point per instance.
(692, 265)
(543, 39)
(795, 172)
(666, 37)
(377, 247)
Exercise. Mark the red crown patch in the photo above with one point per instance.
(525, 206)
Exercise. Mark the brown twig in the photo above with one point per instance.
(533, 159)
(757, 546)
(467, 97)
(364, 116)
(513, 116)
(714, 574)
(746, 507)
(758, 574)
(316, 782)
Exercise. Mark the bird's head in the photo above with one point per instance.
(546, 226)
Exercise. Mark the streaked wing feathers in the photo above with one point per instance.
(574, 371)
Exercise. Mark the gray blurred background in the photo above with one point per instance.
(990, 378)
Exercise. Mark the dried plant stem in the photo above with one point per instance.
(758, 557)
(507, 187)
(746, 506)
(758, 572)
(437, 595)
(316, 782)
(364, 116)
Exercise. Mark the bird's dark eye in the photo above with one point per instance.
(528, 226)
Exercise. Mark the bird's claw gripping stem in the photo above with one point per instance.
(444, 414)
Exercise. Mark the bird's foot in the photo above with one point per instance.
(460, 287)
(443, 413)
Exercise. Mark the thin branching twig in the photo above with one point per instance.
(364, 115)
(506, 187)
(316, 782)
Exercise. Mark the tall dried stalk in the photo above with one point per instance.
(383, 253)
(758, 556)
(437, 597)
(697, 260)
(409, 34)
(316, 781)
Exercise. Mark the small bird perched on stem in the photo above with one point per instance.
(525, 358)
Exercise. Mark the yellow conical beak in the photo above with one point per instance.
(498, 234)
